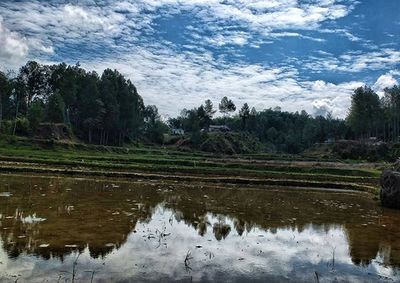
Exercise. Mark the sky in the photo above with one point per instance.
(294, 54)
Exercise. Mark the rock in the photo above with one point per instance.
(390, 187)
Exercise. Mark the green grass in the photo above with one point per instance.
(266, 169)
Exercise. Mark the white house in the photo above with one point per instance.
(177, 132)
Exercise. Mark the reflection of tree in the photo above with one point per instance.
(94, 215)
(202, 225)
(239, 226)
(221, 230)
(295, 210)
(99, 216)
(366, 241)
(363, 248)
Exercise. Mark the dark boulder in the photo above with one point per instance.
(390, 187)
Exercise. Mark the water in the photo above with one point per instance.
(64, 229)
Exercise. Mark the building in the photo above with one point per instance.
(177, 132)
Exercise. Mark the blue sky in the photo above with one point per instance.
(293, 54)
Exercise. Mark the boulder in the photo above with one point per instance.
(390, 187)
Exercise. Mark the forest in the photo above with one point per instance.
(107, 109)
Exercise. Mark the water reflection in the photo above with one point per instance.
(144, 231)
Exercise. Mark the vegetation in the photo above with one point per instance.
(167, 164)
(106, 109)
(371, 116)
(102, 109)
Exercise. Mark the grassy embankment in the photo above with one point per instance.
(186, 166)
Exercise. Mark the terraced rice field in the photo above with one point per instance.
(175, 165)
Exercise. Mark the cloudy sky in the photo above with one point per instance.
(295, 54)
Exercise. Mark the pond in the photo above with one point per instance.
(82, 230)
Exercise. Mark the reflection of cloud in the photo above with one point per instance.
(30, 219)
(285, 253)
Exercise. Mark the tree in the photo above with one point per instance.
(18, 94)
(244, 114)
(209, 112)
(90, 107)
(100, 110)
(36, 114)
(109, 89)
(364, 112)
(175, 123)
(55, 109)
(63, 80)
(252, 121)
(35, 78)
(151, 114)
(226, 106)
(155, 128)
(131, 108)
(4, 93)
(201, 113)
(391, 109)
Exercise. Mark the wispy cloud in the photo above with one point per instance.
(214, 55)
(164, 78)
(355, 61)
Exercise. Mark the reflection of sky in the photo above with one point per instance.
(282, 255)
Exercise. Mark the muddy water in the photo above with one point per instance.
(64, 230)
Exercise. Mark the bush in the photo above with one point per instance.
(357, 150)
(7, 127)
(22, 127)
(230, 143)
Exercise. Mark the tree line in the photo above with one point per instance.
(281, 131)
(101, 109)
(372, 116)
(107, 109)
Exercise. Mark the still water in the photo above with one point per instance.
(80, 230)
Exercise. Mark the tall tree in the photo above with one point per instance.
(90, 107)
(55, 108)
(36, 114)
(226, 106)
(391, 101)
(364, 112)
(64, 81)
(244, 114)
(35, 78)
(209, 112)
(110, 86)
(155, 128)
(4, 91)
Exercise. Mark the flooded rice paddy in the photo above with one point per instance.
(80, 230)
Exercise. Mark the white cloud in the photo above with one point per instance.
(118, 34)
(384, 81)
(57, 21)
(355, 61)
(13, 47)
(164, 77)
(329, 97)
